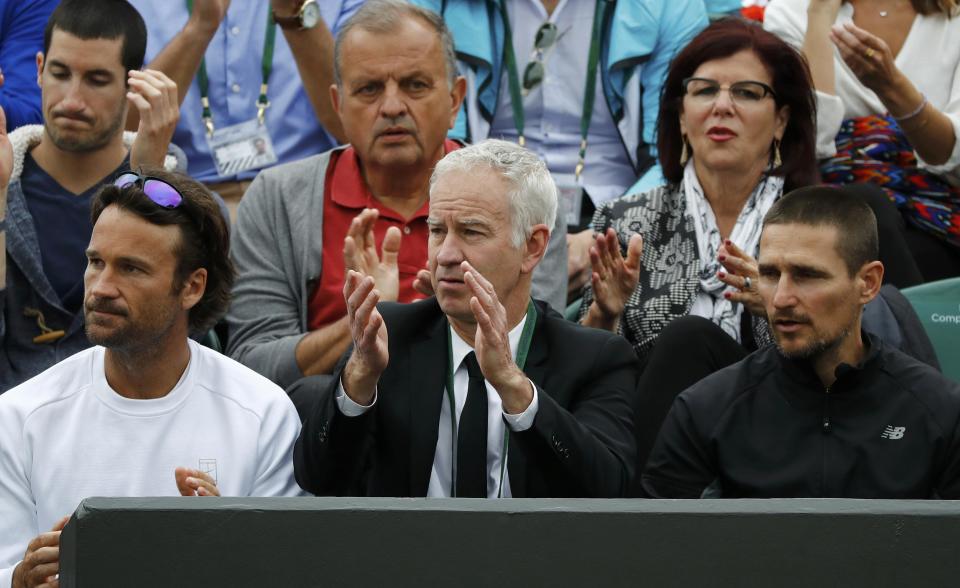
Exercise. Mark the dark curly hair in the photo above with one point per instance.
(791, 84)
(204, 232)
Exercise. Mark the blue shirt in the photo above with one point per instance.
(21, 37)
(554, 108)
(234, 68)
(62, 222)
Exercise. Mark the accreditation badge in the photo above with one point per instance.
(241, 147)
(570, 192)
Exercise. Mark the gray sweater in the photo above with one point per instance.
(277, 247)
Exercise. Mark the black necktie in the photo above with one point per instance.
(472, 435)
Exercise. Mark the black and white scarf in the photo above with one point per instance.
(709, 302)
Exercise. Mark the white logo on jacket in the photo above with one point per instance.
(892, 432)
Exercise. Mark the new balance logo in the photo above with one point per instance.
(893, 432)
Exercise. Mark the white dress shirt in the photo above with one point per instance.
(930, 57)
(554, 108)
(440, 475)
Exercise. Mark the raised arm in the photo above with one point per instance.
(929, 130)
(313, 51)
(180, 59)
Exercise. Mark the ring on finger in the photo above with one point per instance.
(869, 53)
(747, 282)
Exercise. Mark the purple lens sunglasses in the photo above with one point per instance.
(156, 189)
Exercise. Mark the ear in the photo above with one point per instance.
(335, 98)
(40, 68)
(535, 248)
(869, 280)
(683, 125)
(782, 118)
(457, 93)
(193, 288)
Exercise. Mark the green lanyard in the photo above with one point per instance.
(266, 65)
(589, 91)
(523, 348)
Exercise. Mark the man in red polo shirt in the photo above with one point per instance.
(301, 225)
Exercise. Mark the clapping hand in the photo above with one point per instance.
(614, 278)
(360, 254)
(6, 162)
(492, 344)
(742, 273)
(867, 56)
(369, 334)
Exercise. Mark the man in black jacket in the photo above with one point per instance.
(478, 392)
(830, 411)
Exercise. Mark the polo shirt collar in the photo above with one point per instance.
(347, 187)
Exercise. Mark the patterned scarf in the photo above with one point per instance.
(745, 234)
(873, 149)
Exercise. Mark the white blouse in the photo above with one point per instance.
(930, 57)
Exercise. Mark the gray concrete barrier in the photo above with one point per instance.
(199, 542)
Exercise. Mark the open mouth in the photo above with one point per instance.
(720, 134)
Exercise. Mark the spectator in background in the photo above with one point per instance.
(831, 411)
(531, 89)
(364, 207)
(89, 78)
(228, 44)
(21, 38)
(887, 76)
(118, 419)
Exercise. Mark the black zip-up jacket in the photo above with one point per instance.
(766, 427)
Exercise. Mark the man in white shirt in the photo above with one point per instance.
(146, 412)
(478, 392)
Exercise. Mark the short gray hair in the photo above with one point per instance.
(385, 16)
(533, 195)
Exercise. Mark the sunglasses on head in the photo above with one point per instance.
(156, 189)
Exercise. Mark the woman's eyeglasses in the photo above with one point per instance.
(547, 36)
(746, 93)
(156, 189)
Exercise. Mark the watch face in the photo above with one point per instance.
(310, 15)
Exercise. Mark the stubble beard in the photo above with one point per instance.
(816, 349)
(85, 143)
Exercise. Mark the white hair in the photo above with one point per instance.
(532, 195)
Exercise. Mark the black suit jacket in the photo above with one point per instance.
(580, 445)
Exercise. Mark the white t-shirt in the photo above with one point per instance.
(930, 58)
(66, 435)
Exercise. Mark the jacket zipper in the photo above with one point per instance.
(826, 427)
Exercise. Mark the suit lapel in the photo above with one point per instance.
(425, 381)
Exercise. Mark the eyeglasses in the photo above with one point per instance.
(744, 94)
(156, 189)
(547, 35)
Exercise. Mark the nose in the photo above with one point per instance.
(723, 102)
(449, 252)
(783, 294)
(100, 283)
(393, 105)
(73, 99)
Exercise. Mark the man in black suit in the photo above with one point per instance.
(478, 372)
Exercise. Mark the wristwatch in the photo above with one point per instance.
(306, 17)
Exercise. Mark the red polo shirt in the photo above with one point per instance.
(345, 196)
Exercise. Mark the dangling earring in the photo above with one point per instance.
(777, 162)
(684, 152)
